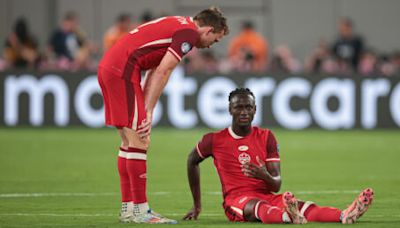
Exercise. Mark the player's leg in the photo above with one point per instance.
(136, 166)
(260, 210)
(136, 160)
(267, 208)
(111, 87)
(359, 206)
(275, 208)
(126, 214)
(315, 213)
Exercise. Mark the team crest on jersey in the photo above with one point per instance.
(185, 47)
(244, 158)
(243, 148)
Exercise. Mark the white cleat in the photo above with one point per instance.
(126, 217)
(152, 217)
(290, 204)
(359, 206)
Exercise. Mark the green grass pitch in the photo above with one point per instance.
(68, 177)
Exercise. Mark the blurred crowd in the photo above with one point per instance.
(69, 49)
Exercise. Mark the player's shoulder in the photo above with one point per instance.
(216, 134)
(261, 130)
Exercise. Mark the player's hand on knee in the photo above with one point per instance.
(144, 129)
(193, 214)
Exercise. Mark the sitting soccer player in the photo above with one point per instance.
(248, 164)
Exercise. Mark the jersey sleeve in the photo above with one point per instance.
(204, 147)
(272, 149)
(182, 42)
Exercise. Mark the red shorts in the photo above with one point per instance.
(234, 206)
(123, 100)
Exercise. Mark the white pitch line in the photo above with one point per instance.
(86, 194)
(50, 194)
(327, 192)
(56, 215)
(167, 214)
(96, 215)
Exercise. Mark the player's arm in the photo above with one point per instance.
(182, 42)
(268, 172)
(153, 87)
(274, 169)
(193, 171)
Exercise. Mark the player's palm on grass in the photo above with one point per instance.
(193, 214)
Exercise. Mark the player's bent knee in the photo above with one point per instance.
(146, 141)
(135, 140)
(249, 211)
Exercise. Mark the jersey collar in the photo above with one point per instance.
(233, 134)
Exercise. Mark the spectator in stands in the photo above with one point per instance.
(121, 27)
(3, 65)
(320, 55)
(248, 51)
(386, 65)
(284, 62)
(368, 63)
(396, 62)
(348, 47)
(21, 48)
(201, 61)
(69, 44)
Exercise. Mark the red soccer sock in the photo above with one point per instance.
(269, 214)
(136, 166)
(124, 177)
(322, 214)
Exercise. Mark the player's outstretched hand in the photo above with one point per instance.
(193, 214)
(255, 171)
(145, 127)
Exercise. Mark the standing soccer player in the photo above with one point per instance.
(155, 47)
(248, 164)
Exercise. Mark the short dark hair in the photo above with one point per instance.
(212, 17)
(241, 91)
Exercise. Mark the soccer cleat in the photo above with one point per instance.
(126, 214)
(359, 206)
(290, 204)
(126, 217)
(152, 217)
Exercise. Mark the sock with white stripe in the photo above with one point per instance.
(136, 166)
(125, 185)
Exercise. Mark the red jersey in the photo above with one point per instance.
(230, 151)
(144, 47)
